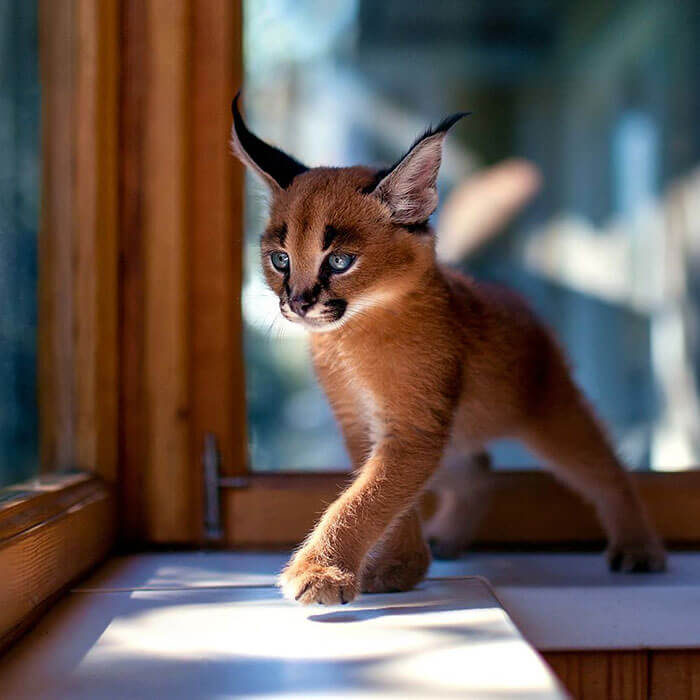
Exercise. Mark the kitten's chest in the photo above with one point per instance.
(350, 384)
(360, 368)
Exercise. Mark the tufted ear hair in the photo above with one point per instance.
(409, 188)
(275, 167)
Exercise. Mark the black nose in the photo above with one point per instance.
(300, 304)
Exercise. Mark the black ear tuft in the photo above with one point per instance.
(409, 187)
(445, 125)
(274, 165)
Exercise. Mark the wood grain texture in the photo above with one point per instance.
(78, 246)
(55, 528)
(180, 251)
(166, 185)
(22, 506)
(532, 506)
(56, 543)
(618, 675)
(133, 427)
(675, 674)
(527, 509)
(55, 348)
(95, 238)
(277, 510)
(215, 244)
(154, 195)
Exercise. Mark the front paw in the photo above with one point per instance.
(307, 581)
(635, 558)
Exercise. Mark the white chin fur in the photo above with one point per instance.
(326, 327)
(352, 309)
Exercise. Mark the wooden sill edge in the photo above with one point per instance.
(53, 530)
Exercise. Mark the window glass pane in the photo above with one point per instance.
(19, 205)
(598, 102)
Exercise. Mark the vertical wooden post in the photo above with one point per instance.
(216, 242)
(78, 244)
(95, 245)
(154, 198)
(55, 356)
(132, 412)
(181, 203)
(166, 189)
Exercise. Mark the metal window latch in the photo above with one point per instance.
(213, 482)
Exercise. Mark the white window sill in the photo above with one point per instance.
(212, 625)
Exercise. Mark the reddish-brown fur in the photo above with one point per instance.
(425, 368)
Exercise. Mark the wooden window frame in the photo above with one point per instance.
(57, 526)
(528, 510)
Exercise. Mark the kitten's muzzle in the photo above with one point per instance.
(301, 304)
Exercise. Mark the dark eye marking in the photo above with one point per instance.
(339, 237)
(329, 235)
(279, 234)
(324, 277)
(335, 308)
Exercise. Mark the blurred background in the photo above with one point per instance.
(585, 141)
(576, 181)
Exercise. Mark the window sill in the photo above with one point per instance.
(53, 529)
(137, 623)
(179, 633)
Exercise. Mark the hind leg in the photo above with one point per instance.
(400, 559)
(463, 487)
(571, 441)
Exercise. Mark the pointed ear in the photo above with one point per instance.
(275, 167)
(409, 188)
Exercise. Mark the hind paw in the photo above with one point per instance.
(646, 557)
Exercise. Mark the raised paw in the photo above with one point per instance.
(392, 575)
(309, 583)
(646, 557)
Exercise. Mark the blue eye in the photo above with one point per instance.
(280, 260)
(339, 262)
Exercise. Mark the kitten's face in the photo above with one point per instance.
(331, 251)
(343, 241)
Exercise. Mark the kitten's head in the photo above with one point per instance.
(340, 241)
